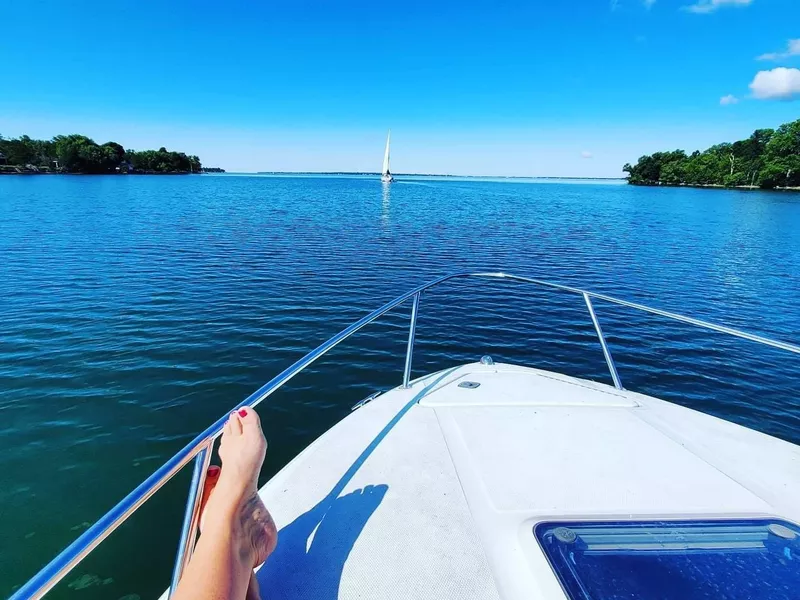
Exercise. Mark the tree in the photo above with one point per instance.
(163, 161)
(19, 151)
(782, 157)
(648, 171)
(80, 154)
(673, 173)
(767, 158)
(115, 152)
(750, 155)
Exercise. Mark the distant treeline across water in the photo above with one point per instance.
(770, 158)
(80, 154)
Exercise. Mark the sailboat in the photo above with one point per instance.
(386, 175)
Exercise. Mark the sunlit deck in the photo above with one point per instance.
(433, 491)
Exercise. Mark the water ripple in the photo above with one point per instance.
(135, 311)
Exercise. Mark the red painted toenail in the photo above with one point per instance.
(243, 413)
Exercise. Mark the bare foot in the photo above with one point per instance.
(234, 504)
(212, 477)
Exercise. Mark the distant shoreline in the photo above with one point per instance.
(134, 173)
(767, 160)
(18, 170)
(376, 174)
(81, 155)
(14, 170)
(715, 186)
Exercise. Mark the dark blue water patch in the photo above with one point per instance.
(135, 311)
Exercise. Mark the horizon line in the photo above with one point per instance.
(378, 174)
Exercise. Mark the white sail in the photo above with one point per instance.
(385, 170)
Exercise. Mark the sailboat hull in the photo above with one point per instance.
(387, 178)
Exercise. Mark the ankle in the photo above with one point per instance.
(233, 491)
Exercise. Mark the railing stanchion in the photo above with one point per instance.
(412, 331)
(606, 352)
(191, 517)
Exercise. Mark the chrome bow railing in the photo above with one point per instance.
(200, 448)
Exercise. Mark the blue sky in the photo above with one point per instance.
(568, 88)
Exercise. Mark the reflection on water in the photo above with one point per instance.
(386, 198)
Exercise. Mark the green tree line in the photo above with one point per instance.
(769, 158)
(80, 154)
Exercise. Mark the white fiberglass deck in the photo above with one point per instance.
(432, 491)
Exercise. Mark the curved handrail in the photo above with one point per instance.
(200, 446)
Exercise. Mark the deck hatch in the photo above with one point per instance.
(680, 560)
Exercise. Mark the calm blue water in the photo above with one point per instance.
(136, 310)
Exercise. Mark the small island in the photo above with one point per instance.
(82, 155)
(768, 159)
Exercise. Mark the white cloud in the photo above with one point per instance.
(777, 84)
(792, 49)
(729, 99)
(586, 154)
(709, 6)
